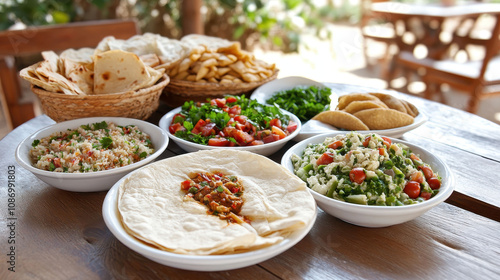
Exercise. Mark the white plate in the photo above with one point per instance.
(91, 181)
(313, 127)
(190, 262)
(265, 150)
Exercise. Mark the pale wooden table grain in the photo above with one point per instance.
(62, 235)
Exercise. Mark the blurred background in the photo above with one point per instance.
(317, 39)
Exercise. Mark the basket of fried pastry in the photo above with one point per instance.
(80, 83)
(369, 111)
(214, 67)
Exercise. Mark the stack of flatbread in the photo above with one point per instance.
(82, 72)
(369, 111)
(154, 50)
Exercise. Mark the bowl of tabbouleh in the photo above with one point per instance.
(90, 154)
(368, 179)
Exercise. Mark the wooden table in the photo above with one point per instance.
(62, 235)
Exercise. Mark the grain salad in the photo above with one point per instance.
(90, 148)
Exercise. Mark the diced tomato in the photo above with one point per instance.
(426, 195)
(218, 142)
(241, 119)
(434, 183)
(357, 175)
(178, 118)
(126, 130)
(276, 130)
(414, 157)
(271, 138)
(325, 159)
(240, 126)
(387, 142)
(412, 189)
(275, 122)
(186, 185)
(367, 141)
(336, 144)
(228, 131)
(381, 151)
(262, 134)
(234, 110)
(427, 171)
(176, 127)
(256, 142)
(292, 126)
(417, 177)
(57, 162)
(242, 137)
(219, 102)
(198, 126)
(208, 129)
(348, 155)
(231, 99)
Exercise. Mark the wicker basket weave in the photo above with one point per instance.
(138, 104)
(178, 91)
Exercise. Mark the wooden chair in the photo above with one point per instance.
(18, 43)
(375, 28)
(478, 78)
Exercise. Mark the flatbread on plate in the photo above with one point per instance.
(154, 209)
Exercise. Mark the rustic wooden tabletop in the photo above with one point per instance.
(55, 234)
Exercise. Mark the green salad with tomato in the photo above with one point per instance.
(231, 121)
(366, 169)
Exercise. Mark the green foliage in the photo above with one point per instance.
(275, 23)
(35, 12)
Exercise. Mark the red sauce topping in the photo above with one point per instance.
(220, 193)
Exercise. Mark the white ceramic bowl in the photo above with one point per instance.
(92, 181)
(314, 127)
(191, 262)
(370, 215)
(265, 149)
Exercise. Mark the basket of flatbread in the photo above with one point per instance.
(81, 83)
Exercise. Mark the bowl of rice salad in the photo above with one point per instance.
(369, 180)
(90, 154)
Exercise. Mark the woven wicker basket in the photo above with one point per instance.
(138, 104)
(177, 91)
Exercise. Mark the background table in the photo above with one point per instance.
(62, 235)
(426, 23)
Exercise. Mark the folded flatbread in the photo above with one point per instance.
(154, 209)
(119, 71)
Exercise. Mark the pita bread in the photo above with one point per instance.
(81, 74)
(341, 119)
(356, 106)
(83, 55)
(345, 100)
(384, 118)
(29, 74)
(391, 101)
(118, 71)
(155, 210)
